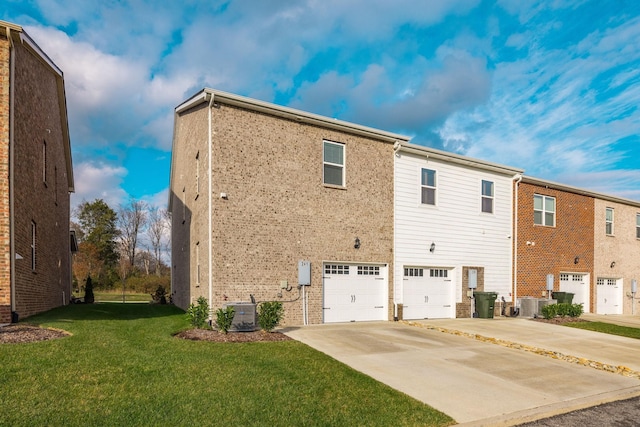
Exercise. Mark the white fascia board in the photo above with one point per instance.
(288, 113)
(580, 191)
(433, 153)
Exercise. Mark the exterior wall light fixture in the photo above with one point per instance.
(357, 243)
(613, 264)
(576, 260)
(432, 248)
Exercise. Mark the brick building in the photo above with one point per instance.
(256, 188)
(36, 178)
(589, 242)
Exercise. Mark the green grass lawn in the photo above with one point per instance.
(607, 328)
(122, 367)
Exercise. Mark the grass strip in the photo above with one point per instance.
(122, 366)
(607, 328)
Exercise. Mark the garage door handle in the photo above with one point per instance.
(326, 308)
(426, 298)
(379, 278)
(379, 306)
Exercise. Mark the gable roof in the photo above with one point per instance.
(16, 34)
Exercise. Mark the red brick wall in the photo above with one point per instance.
(553, 249)
(5, 250)
(38, 119)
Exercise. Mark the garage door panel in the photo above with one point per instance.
(577, 284)
(608, 296)
(354, 292)
(427, 293)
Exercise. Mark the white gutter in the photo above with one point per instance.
(209, 178)
(12, 253)
(514, 252)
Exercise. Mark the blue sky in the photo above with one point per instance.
(552, 87)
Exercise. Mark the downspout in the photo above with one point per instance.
(514, 252)
(209, 179)
(12, 253)
(396, 153)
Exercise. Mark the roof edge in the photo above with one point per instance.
(288, 113)
(459, 159)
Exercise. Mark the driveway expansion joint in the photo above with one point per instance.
(620, 370)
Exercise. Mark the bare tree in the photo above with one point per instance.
(132, 218)
(158, 225)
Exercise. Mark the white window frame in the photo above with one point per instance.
(638, 226)
(425, 186)
(608, 221)
(544, 210)
(326, 163)
(487, 197)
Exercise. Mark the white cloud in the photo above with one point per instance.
(98, 181)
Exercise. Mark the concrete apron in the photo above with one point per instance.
(473, 381)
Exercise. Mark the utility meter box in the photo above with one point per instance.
(473, 279)
(304, 273)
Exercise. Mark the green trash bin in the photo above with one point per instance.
(485, 303)
(562, 297)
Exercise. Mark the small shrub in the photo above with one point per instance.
(549, 311)
(88, 291)
(270, 314)
(198, 314)
(576, 310)
(160, 295)
(563, 309)
(224, 318)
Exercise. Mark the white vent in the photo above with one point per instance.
(244, 319)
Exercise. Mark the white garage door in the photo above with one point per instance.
(577, 284)
(609, 296)
(427, 293)
(354, 292)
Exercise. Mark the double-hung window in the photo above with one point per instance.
(333, 163)
(544, 210)
(608, 221)
(487, 196)
(428, 187)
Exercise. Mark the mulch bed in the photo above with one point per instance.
(20, 333)
(215, 336)
(559, 320)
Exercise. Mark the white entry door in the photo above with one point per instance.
(354, 292)
(577, 284)
(428, 293)
(608, 296)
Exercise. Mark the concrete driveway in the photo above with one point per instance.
(463, 367)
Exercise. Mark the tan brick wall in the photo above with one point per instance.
(38, 120)
(5, 253)
(622, 247)
(556, 247)
(278, 211)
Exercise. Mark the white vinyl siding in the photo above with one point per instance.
(462, 237)
(333, 163)
(608, 221)
(544, 210)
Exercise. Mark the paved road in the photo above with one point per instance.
(623, 413)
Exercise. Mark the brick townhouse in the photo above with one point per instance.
(36, 179)
(265, 197)
(589, 242)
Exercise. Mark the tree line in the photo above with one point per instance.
(110, 251)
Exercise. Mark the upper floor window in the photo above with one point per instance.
(333, 163)
(638, 226)
(44, 161)
(544, 210)
(428, 185)
(197, 174)
(487, 196)
(608, 221)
